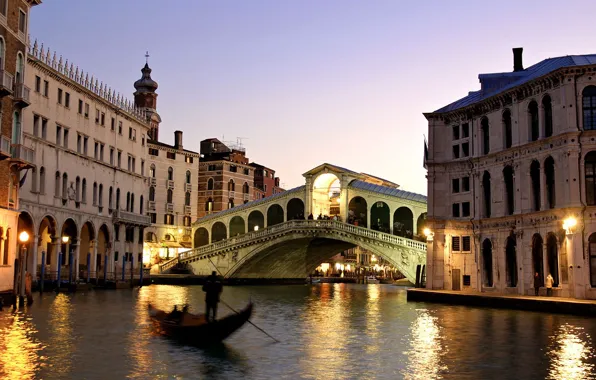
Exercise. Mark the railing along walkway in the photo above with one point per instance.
(168, 264)
(295, 224)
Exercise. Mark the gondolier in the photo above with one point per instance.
(212, 288)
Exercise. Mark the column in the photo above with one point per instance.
(368, 221)
(414, 225)
(543, 200)
(578, 269)
(93, 269)
(391, 212)
(2, 242)
(33, 258)
(135, 246)
(55, 247)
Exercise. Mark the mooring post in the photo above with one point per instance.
(105, 270)
(131, 269)
(141, 271)
(70, 265)
(123, 266)
(59, 268)
(88, 266)
(43, 270)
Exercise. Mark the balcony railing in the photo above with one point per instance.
(5, 146)
(153, 181)
(169, 207)
(187, 210)
(21, 95)
(231, 194)
(22, 154)
(151, 205)
(130, 217)
(6, 83)
(246, 197)
(187, 187)
(170, 184)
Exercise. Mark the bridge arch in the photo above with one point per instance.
(379, 216)
(237, 226)
(256, 221)
(420, 224)
(201, 237)
(275, 215)
(218, 232)
(326, 188)
(295, 209)
(358, 211)
(403, 222)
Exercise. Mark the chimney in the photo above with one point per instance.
(178, 139)
(517, 59)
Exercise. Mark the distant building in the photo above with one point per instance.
(512, 182)
(266, 183)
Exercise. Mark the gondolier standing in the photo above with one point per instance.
(212, 288)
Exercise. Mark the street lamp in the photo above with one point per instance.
(256, 228)
(429, 234)
(65, 239)
(23, 238)
(568, 225)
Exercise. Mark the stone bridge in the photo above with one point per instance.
(281, 236)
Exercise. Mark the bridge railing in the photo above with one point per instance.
(168, 264)
(293, 224)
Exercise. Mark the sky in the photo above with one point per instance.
(309, 81)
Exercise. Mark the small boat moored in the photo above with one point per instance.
(194, 328)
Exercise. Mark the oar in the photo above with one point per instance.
(237, 312)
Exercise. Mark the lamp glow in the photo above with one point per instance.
(179, 230)
(568, 225)
(428, 234)
(256, 228)
(24, 237)
(65, 239)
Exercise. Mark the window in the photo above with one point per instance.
(187, 199)
(465, 209)
(143, 140)
(111, 156)
(188, 176)
(547, 108)
(209, 205)
(94, 194)
(455, 185)
(117, 199)
(484, 129)
(101, 147)
(590, 168)
(100, 201)
(188, 159)
(59, 96)
(465, 149)
(465, 243)
(36, 121)
(589, 108)
(455, 132)
(96, 116)
(79, 143)
(486, 190)
(210, 184)
(113, 124)
(186, 221)
(58, 135)
(129, 165)
(233, 168)
(170, 196)
(44, 128)
(245, 188)
(535, 178)
(34, 180)
(592, 249)
(119, 159)
(509, 189)
(87, 110)
(37, 79)
(110, 198)
(85, 141)
(153, 217)
(152, 194)
(64, 185)
(152, 171)
(466, 280)
(67, 99)
(96, 151)
(508, 133)
(57, 185)
(22, 22)
(4, 7)
(549, 172)
(533, 117)
(141, 207)
(120, 128)
(465, 184)
(153, 152)
(171, 155)
(42, 180)
(168, 219)
(455, 244)
(231, 203)
(84, 193)
(132, 134)
(170, 174)
(103, 119)
(455, 210)
(456, 151)
(65, 138)
(46, 88)
(231, 185)
(246, 172)
(80, 107)
(465, 130)
(142, 167)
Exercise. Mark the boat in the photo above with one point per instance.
(195, 329)
(372, 280)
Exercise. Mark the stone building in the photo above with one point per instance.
(266, 183)
(173, 175)
(15, 156)
(512, 182)
(84, 200)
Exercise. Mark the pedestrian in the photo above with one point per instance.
(537, 283)
(549, 285)
(212, 288)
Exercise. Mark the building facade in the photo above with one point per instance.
(266, 183)
(173, 179)
(15, 157)
(512, 183)
(84, 201)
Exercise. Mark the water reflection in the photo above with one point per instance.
(18, 350)
(373, 317)
(61, 335)
(569, 353)
(426, 348)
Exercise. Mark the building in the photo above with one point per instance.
(512, 182)
(265, 182)
(173, 176)
(83, 201)
(225, 177)
(15, 157)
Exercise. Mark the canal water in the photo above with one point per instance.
(327, 331)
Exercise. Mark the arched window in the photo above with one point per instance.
(187, 199)
(547, 109)
(231, 185)
(231, 203)
(2, 54)
(209, 205)
(94, 193)
(533, 118)
(141, 206)
(110, 198)
(57, 192)
(16, 128)
(42, 180)
(549, 172)
(20, 68)
(78, 189)
(64, 186)
(152, 194)
(507, 130)
(487, 195)
(100, 201)
(592, 248)
(590, 167)
(188, 176)
(508, 177)
(186, 221)
(117, 199)
(589, 107)
(128, 201)
(132, 202)
(33, 179)
(170, 174)
(487, 261)
(245, 188)
(84, 191)
(535, 178)
(210, 184)
(170, 195)
(485, 135)
(6, 247)
(152, 171)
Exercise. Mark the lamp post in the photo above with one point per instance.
(23, 238)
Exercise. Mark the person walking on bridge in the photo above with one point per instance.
(212, 288)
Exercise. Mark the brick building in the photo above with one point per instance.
(14, 98)
(266, 183)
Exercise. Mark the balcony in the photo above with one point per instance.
(187, 210)
(170, 184)
(231, 194)
(152, 181)
(187, 187)
(6, 83)
(120, 216)
(4, 148)
(151, 205)
(246, 197)
(169, 207)
(21, 95)
(22, 156)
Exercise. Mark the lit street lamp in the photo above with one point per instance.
(65, 239)
(23, 238)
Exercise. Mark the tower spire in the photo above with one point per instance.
(147, 57)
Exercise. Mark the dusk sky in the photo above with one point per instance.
(310, 81)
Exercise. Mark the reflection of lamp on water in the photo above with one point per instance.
(23, 238)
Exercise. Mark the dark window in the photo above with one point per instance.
(80, 106)
(589, 107)
(170, 196)
(455, 210)
(153, 218)
(456, 151)
(455, 244)
(466, 280)
(509, 189)
(188, 159)
(456, 132)
(465, 130)
(117, 232)
(22, 21)
(455, 185)
(233, 169)
(592, 249)
(549, 172)
(153, 152)
(590, 167)
(487, 194)
(465, 149)
(187, 199)
(535, 178)
(465, 184)
(37, 79)
(246, 172)
(152, 194)
(171, 155)
(465, 244)
(485, 135)
(465, 209)
(210, 184)
(507, 129)
(533, 116)
(170, 174)
(548, 116)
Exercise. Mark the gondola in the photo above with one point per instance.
(194, 328)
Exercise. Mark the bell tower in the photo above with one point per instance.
(146, 98)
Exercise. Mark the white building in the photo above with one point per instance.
(173, 175)
(86, 195)
(512, 182)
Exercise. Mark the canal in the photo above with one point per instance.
(327, 331)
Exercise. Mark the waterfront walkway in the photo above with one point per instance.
(506, 301)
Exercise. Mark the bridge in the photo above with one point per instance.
(281, 236)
